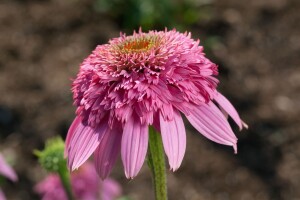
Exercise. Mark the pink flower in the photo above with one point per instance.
(141, 80)
(8, 172)
(85, 185)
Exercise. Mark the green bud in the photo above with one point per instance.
(52, 157)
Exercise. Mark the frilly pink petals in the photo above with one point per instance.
(83, 142)
(107, 152)
(6, 170)
(134, 146)
(211, 123)
(228, 108)
(174, 139)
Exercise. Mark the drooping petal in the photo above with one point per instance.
(71, 132)
(134, 146)
(228, 107)
(174, 139)
(83, 142)
(211, 123)
(107, 152)
(6, 170)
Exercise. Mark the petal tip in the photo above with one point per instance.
(174, 169)
(235, 148)
(130, 177)
(245, 125)
(74, 168)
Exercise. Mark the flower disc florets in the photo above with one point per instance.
(140, 80)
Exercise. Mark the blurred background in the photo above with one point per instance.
(255, 43)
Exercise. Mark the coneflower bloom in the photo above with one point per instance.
(8, 172)
(136, 81)
(85, 186)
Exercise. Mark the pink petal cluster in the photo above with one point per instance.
(140, 80)
(8, 172)
(85, 186)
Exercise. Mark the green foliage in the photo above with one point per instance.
(2, 180)
(150, 14)
(210, 42)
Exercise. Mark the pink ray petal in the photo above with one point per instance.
(228, 107)
(211, 123)
(174, 139)
(2, 196)
(6, 170)
(134, 146)
(107, 152)
(71, 132)
(83, 142)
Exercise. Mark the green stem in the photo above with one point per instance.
(156, 162)
(65, 179)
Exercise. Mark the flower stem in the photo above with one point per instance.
(65, 180)
(156, 162)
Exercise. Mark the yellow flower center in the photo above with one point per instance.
(140, 44)
(136, 45)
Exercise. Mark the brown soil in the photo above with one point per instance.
(43, 42)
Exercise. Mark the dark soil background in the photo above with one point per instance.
(257, 47)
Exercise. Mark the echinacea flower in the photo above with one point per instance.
(136, 81)
(85, 185)
(8, 172)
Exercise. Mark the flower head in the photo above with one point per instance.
(85, 185)
(140, 80)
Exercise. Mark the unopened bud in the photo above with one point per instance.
(52, 157)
